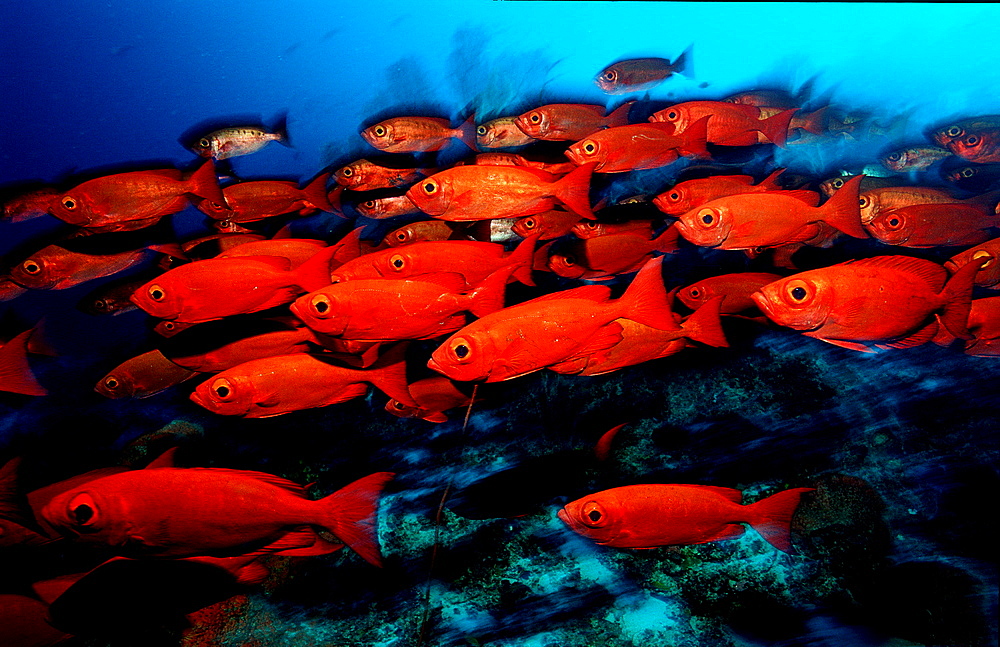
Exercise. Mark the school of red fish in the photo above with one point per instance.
(270, 325)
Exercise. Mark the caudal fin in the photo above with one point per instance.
(645, 300)
(351, 514)
(315, 193)
(466, 133)
(389, 375)
(705, 326)
(772, 517)
(15, 373)
(619, 117)
(776, 128)
(957, 295)
(204, 184)
(842, 211)
(522, 260)
(573, 190)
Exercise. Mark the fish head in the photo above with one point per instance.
(802, 301)
(228, 394)
(116, 384)
(352, 174)
(534, 123)
(40, 271)
(160, 297)
(832, 185)
(214, 210)
(594, 517)
(897, 161)
(400, 410)
(972, 145)
(678, 115)
(948, 134)
(466, 356)
(694, 296)
(675, 201)
(869, 203)
(589, 229)
(989, 271)
(588, 150)
(89, 513)
(708, 225)
(75, 207)
(566, 265)
(206, 146)
(892, 227)
(322, 311)
(527, 226)
(380, 135)
(432, 195)
(402, 236)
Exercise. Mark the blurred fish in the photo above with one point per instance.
(501, 133)
(240, 140)
(362, 175)
(112, 298)
(514, 159)
(181, 512)
(647, 516)
(296, 250)
(878, 201)
(735, 290)
(259, 199)
(973, 177)
(594, 228)
(390, 207)
(433, 395)
(570, 121)
(418, 134)
(913, 158)
(142, 376)
(32, 204)
(885, 301)
(641, 74)
(729, 124)
(689, 194)
(986, 255)
(639, 146)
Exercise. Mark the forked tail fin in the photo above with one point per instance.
(350, 513)
(772, 517)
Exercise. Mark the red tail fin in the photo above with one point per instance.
(957, 294)
(15, 373)
(772, 517)
(390, 375)
(204, 184)
(842, 211)
(645, 300)
(705, 326)
(776, 128)
(467, 132)
(350, 513)
(771, 181)
(573, 190)
(522, 259)
(619, 117)
(315, 193)
(814, 122)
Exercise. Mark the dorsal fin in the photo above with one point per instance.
(934, 274)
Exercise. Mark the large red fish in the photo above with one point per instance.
(182, 512)
(976, 139)
(533, 335)
(219, 287)
(256, 200)
(418, 134)
(770, 219)
(273, 386)
(886, 302)
(639, 146)
(487, 192)
(647, 516)
(729, 124)
(641, 74)
(137, 199)
(690, 194)
(570, 121)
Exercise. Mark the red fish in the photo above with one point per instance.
(388, 309)
(976, 139)
(382, 208)
(735, 290)
(545, 331)
(641, 74)
(434, 396)
(423, 231)
(296, 250)
(638, 146)
(486, 192)
(877, 201)
(513, 159)
(984, 328)
(418, 134)
(612, 254)
(142, 376)
(501, 133)
(253, 201)
(547, 225)
(215, 512)
(984, 254)
(363, 175)
(729, 124)
(886, 302)
(219, 287)
(955, 131)
(690, 194)
(595, 228)
(647, 516)
(15, 372)
(126, 201)
(9, 289)
(219, 345)
(934, 225)
(770, 219)
(273, 386)
(29, 205)
(834, 184)
(570, 121)
(57, 268)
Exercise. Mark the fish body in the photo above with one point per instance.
(641, 74)
(551, 329)
(219, 345)
(594, 228)
(885, 301)
(142, 376)
(259, 199)
(363, 175)
(57, 268)
(239, 140)
(433, 395)
(638, 146)
(986, 255)
(570, 121)
(423, 231)
(913, 158)
(296, 250)
(647, 516)
(729, 124)
(877, 201)
(214, 512)
(689, 194)
(273, 386)
(934, 225)
(770, 219)
(133, 199)
(735, 290)
(513, 159)
(26, 206)
(547, 224)
(390, 207)
(485, 192)
(501, 133)
(605, 256)
(418, 134)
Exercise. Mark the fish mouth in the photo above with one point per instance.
(767, 307)
(564, 516)
(691, 235)
(574, 157)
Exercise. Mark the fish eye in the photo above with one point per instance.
(346, 171)
(967, 172)
(370, 204)
(535, 118)
(397, 405)
(954, 131)
(707, 217)
(430, 187)
(401, 236)
(798, 291)
(971, 140)
(592, 225)
(222, 389)
(894, 223)
(864, 201)
(838, 183)
(674, 196)
(569, 260)
(460, 349)
(592, 514)
(379, 131)
(589, 147)
(397, 262)
(69, 203)
(101, 304)
(694, 293)
(529, 223)
(156, 293)
(111, 382)
(895, 157)
(672, 115)
(610, 75)
(481, 131)
(31, 267)
(321, 305)
(983, 254)
(83, 510)
(168, 325)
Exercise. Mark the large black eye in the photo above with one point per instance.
(82, 509)
(369, 204)
(529, 223)
(589, 148)
(204, 143)
(798, 293)
(111, 383)
(346, 171)
(954, 131)
(430, 188)
(321, 305)
(967, 172)
(707, 217)
(591, 225)
(864, 201)
(481, 131)
(222, 388)
(156, 293)
(674, 196)
(838, 183)
(69, 203)
(569, 260)
(971, 140)
(535, 117)
(460, 349)
(82, 514)
(895, 157)
(592, 514)
(379, 131)
(397, 262)
(672, 115)
(893, 222)
(31, 267)
(398, 406)
(694, 293)
(401, 236)
(610, 75)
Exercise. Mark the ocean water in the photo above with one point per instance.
(894, 549)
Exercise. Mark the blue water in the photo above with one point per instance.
(90, 85)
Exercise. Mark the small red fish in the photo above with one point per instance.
(486, 192)
(219, 345)
(934, 225)
(29, 205)
(729, 124)
(647, 516)
(735, 290)
(638, 146)
(273, 386)
(434, 396)
(877, 201)
(423, 231)
(690, 194)
(256, 200)
(137, 199)
(985, 254)
(547, 225)
(382, 208)
(641, 74)
(885, 301)
(570, 121)
(606, 256)
(418, 134)
(142, 376)
(363, 175)
(57, 268)
(181, 512)
(501, 133)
